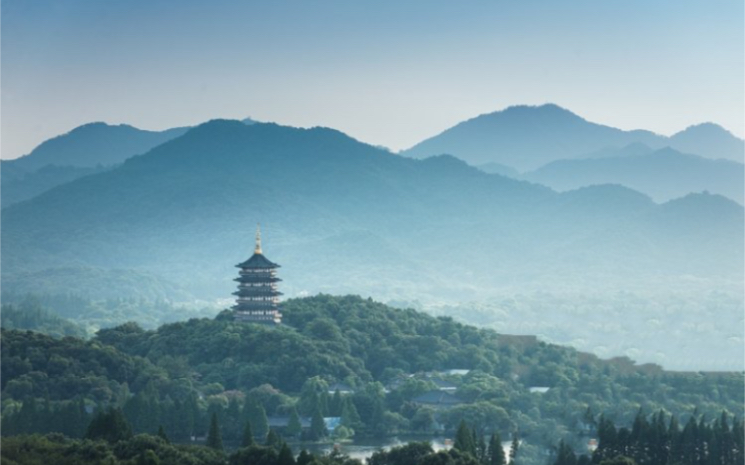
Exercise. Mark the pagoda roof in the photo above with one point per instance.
(258, 261)
(261, 278)
(256, 292)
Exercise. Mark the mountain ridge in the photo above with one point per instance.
(185, 209)
(526, 137)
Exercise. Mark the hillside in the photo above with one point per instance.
(93, 144)
(17, 187)
(526, 138)
(85, 150)
(709, 138)
(229, 368)
(664, 174)
(375, 222)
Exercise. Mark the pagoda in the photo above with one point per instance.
(257, 295)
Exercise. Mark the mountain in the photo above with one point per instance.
(528, 137)
(84, 150)
(346, 217)
(709, 138)
(93, 144)
(498, 168)
(664, 174)
(23, 186)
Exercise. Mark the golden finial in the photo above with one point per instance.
(257, 249)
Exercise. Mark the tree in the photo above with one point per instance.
(214, 437)
(496, 453)
(305, 458)
(147, 457)
(294, 427)
(513, 448)
(273, 439)
(285, 455)
(248, 436)
(464, 439)
(565, 455)
(349, 416)
(259, 421)
(109, 425)
(336, 404)
(162, 434)
(317, 426)
(254, 455)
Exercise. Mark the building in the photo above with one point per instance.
(257, 295)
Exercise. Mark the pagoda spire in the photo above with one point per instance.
(257, 249)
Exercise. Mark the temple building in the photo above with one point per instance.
(257, 295)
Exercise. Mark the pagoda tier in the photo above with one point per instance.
(257, 295)
(256, 278)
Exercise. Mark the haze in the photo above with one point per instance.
(384, 72)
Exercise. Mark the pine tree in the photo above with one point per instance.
(317, 426)
(349, 415)
(273, 439)
(259, 421)
(513, 448)
(248, 436)
(565, 455)
(496, 453)
(285, 455)
(214, 438)
(162, 434)
(109, 425)
(336, 404)
(464, 439)
(294, 427)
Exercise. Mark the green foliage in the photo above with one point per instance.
(285, 455)
(181, 374)
(257, 418)
(411, 453)
(109, 425)
(273, 439)
(36, 365)
(59, 450)
(464, 440)
(29, 314)
(214, 436)
(496, 453)
(248, 436)
(254, 455)
(317, 426)
(294, 427)
(162, 434)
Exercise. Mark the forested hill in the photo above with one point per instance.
(352, 340)
(374, 222)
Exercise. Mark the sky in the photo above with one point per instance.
(389, 73)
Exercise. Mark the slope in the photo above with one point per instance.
(525, 138)
(342, 216)
(663, 175)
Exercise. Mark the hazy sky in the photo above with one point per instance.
(386, 72)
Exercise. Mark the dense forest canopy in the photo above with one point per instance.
(180, 374)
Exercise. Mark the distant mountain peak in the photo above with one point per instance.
(706, 129)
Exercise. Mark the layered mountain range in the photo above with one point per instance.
(528, 137)
(343, 216)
